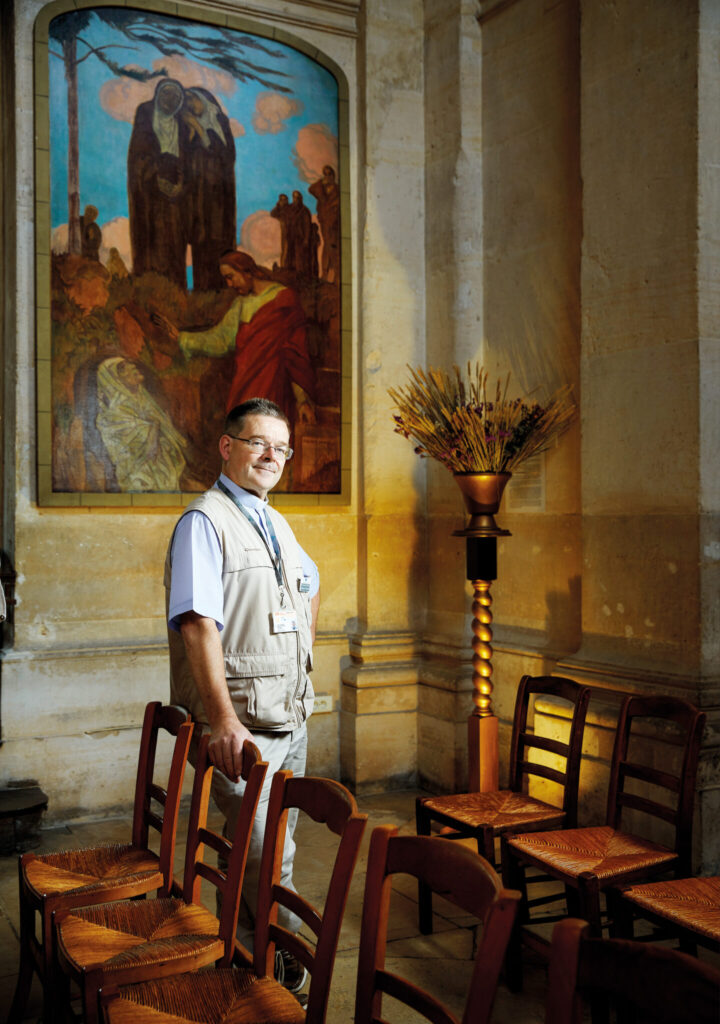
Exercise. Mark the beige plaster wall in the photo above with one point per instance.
(640, 334)
(648, 405)
(89, 646)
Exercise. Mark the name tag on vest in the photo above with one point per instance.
(283, 622)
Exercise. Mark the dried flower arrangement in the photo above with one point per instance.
(451, 420)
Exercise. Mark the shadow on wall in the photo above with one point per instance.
(563, 622)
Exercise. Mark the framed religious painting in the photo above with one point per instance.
(192, 225)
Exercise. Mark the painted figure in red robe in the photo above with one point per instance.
(266, 326)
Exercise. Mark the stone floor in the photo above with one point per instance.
(441, 961)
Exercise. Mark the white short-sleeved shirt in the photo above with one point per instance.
(196, 558)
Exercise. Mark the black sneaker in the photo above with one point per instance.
(289, 972)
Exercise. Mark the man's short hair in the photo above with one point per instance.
(235, 419)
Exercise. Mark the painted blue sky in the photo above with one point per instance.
(274, 132)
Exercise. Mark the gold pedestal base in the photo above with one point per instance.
(483, 773)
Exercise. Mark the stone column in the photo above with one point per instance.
(379, 698)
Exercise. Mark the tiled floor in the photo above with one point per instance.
(440, 962)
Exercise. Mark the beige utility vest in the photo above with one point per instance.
(266, 672)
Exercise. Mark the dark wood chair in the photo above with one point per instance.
(644, 984)
(221, 994)
(132, 941)
(80, 878)
(687, 909)
(459, 875)
(592, 859)
(483, 816)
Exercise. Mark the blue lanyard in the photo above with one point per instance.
(275, 556)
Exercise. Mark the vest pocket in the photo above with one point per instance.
(261, 688)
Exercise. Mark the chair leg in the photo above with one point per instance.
(573, 902)
(24, 981)
(48, 950)
(422, 824)
(589, 891)
(513, 876)
(488, 846)
(620, 916)
(62, 993)
(90, 1000)
(27, 959)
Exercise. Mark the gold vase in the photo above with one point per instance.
(482, 493)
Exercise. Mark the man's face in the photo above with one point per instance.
(256, 473)
(234, 278)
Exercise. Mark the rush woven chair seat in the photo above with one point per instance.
(643, 984)
(130, 941)
(484, 816)
(239, 994)
(456, 873)
(79, 878)
(589, 860)
(688, 908)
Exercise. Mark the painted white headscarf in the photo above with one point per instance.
(165, 125)
(143, 445)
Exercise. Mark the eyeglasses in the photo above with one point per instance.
(258, 446)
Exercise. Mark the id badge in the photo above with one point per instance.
(283, 622)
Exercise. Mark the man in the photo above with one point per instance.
(265, 326)
(298, 227)
(242, 601)
(327, 194)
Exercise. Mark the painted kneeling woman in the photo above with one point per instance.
(144, 447)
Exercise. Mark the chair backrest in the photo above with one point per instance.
(234, 851)
(461, 876)
(176, 721)
(679, 786)
(644, 983)
(329, 803)
(522, 741)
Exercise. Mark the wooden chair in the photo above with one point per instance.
(459, 875)
(589, 860)
(219, 994)
(645, 985)
(79, 878)
(131, 941)
(684, 908)
(483, 816)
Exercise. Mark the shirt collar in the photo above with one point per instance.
(244, 497)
